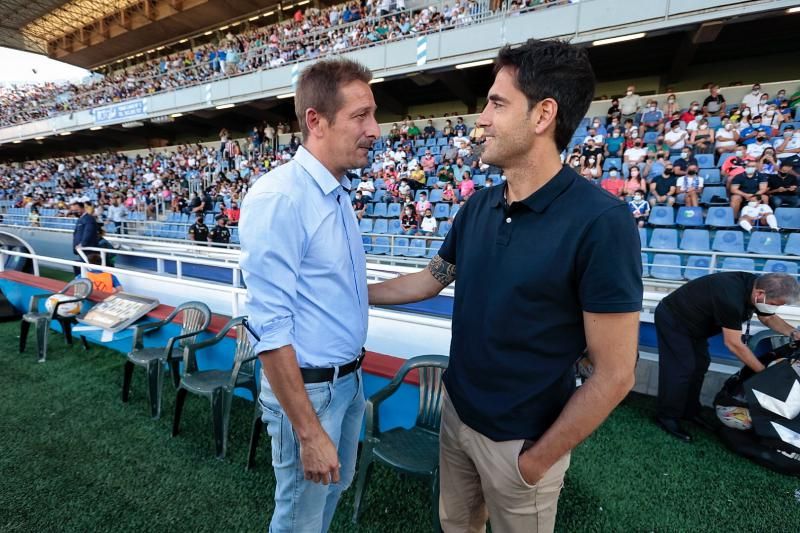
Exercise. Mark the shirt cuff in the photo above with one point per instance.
(275, 334)
(612, 307)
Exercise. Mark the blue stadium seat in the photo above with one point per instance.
(738, 263)
(416, 248)
(792, 244)
(496, 178)
(442, 141)
(395, 228)
(381, 226)
(689, 217)
(666, 266)
(454, 210)
(400, 246)
(379, 211)
(643, 237)
(435, 196)
(433, 180)
(369, 210)
(365, 225)
(724, 157)
(645, 266)
(705, 160)
(662, 216)
(780, 267)
(707, 198)
(696, 240)
(711, 176)
(720, 217)
(615, 162)
(433, 249)
(714, 122)
(430, 142)
(650, 137)
(766, 243)
(394, 210)
(788, 217)
(730, 241)
(442, 210)
(696, 266)
(479, 179)
(664, 239)
(444, 227)
(382, 246)
(367, 242)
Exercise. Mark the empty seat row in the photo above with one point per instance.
(394, 227)
(671, 266)
(716, 217)
(403, 246)
(727, 241)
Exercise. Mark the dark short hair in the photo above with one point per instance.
(777, 285)
(553, 69)
(319, 87)
(79, 204)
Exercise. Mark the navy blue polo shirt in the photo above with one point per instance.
(524, 276)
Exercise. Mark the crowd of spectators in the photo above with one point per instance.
(310, 33)
(646, 153)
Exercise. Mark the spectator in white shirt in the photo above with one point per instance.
(757, 148)
(367, 187)
(788, 145)
(756, 211)
(676, 137)
(753, 98)
(726, 137)
(592, 134)
(429, 226)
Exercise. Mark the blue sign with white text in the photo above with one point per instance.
(120, 112)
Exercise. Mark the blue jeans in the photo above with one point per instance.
(302, 506)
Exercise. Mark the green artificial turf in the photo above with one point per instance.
(74, 458)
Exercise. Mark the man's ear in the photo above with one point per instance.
(544, 114)
(315, 122)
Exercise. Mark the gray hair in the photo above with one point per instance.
(779, 286)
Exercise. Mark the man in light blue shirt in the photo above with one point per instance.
(305, 269)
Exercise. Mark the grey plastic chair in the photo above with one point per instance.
(217, 385)
(256, 428)
(81, 289)
(413, 451)
(196, 316)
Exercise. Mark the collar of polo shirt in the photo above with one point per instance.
(540, 200)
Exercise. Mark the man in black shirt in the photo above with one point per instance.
(511, 414)
(686, 161)
(700, 309)
(663, 188)
(714, 104)
(746, 185)
(782, 187)
(198, 231)
(220, 233)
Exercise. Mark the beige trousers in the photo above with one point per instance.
(480, 480)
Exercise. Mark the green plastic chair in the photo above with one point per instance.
(81, 289)
(218, 385)
(196, 316)
(413, 451)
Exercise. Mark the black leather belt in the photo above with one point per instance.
(321, 375)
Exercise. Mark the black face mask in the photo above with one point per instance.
(668, 172)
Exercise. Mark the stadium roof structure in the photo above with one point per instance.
(88, 33)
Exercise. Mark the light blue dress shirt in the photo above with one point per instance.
(304, 264)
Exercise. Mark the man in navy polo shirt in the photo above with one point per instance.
(566, 265)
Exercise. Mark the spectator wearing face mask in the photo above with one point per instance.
(635, 182)
(787, 146)
(634, 156)
(676, 137)
(591, 168)
(747, 136)
(746, 186)
(592, 149)
(772, 118)
(599, 129)
(690, 188)
(690, 114)
(614, 184)
(639, 207)
(782, 187)
(663, 188)
(726, 138)
(686, 162)
(409, 221)
(702, 138)
(613, 112)
(593, 134)
(652, 119)
(733, 166)
(428, 225)
(714, 105)
(614, 144)
(756, 212)
(422, 204)
(755, 149)
(672, 106)
(753, 98)
(768, 163)
(763, 104)
(630, 104)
